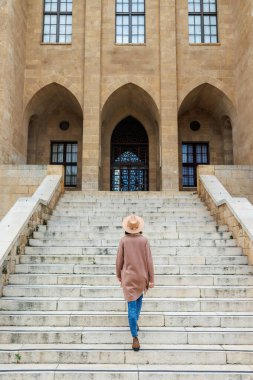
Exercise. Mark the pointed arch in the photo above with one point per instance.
(46, 111)
(49, 95)
(210, 98)
(130, 100)
(216, 115)
(209, 95)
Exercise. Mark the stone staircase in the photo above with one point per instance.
(63, 315)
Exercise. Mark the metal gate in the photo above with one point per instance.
(129, 157)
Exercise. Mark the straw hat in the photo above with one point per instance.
(133, 224)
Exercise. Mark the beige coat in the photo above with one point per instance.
(134, 265)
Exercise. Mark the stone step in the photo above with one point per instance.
(117, 221)
(118, 304)
(117, 235)
(159, 198)
(121, 335)
(130, 205)
(97, 224)
(103, 223)
(144, 214)
(110, 269)
(148, 228)
(131, 209)
(126, 201)
(110, 259)
(128, 371)
(115, 243)
(156, 251)
(118, 354)
(65, 301)
(129, 195)
(116, 291)
(120, 319)
(160, 280)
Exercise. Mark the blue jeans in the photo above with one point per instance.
(134, 309)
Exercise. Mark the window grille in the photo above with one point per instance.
(65, 153)
(129, 157)
(202, 21)
(57, 26)
(193, 154)
(130, 21)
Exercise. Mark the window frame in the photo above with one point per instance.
(64, 163)
(202, 14)
(130, 14)
(58, 13)
(194, 164)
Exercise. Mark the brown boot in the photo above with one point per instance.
(136, 345)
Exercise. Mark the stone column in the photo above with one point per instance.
(227, 142)
(13, 23)
(91, 129)
(168, 80)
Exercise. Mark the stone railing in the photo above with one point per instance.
(18, 181)
(237, 213)
(22, 219)
(237, 179)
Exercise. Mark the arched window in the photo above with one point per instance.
(57, 21)
(203, 21)
(130, 21)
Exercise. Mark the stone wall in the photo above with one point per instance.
(13, 23)
(48, 63)
(243, 136)
(210, 132)
(44, 129)
(206, 63)
(237, 179)
(18, 181)
(179, 78)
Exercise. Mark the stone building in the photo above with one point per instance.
(127, 94)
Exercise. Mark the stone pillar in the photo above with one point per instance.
(227, 142)
(168, 80)
(91, 127)
(13, 20)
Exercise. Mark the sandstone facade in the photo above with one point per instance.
(94, 83)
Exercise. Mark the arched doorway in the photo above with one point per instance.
(206, 116)
(129, 156)
(130, 106)
(55, 128)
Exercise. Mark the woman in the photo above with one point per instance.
(134, 270)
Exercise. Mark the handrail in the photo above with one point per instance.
(238, 208)
(16, 220)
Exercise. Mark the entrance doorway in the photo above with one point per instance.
(65, 153)
(193, 154)
(129, 157)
